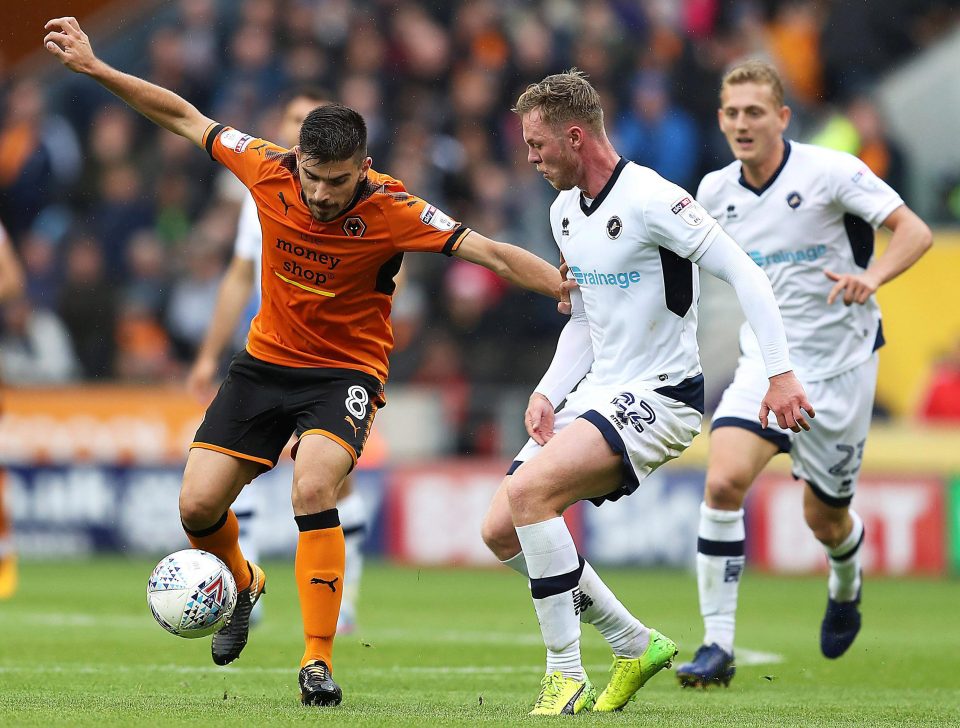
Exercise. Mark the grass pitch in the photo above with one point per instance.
(459, 647)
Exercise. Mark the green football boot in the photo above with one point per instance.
(631, 674)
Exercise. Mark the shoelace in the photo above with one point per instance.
(317, 670)
(549, 690)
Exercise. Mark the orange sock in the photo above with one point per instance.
(319, 573)
(221, 540)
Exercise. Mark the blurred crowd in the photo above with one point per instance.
(124, 230)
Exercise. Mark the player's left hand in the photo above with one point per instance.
(787, 401)
(538, 419)
(856, 287)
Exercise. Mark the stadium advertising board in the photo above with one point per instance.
(656, 526)
(904, 518)
(433, 512)
(953, 517)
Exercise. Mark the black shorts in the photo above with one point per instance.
(260, 405)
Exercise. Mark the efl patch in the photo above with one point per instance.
(235, 140)
(435, 218)
(689, 211)
(794, 199)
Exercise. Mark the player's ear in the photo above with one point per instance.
(297, 154)
(785, 113)
(365, 165)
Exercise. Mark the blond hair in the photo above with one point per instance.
(563, 97)
(758, 72)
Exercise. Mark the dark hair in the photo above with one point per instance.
(333, 133)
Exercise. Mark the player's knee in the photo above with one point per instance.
(313, 494)
(725, 492)
(500, 536)
(197, 512)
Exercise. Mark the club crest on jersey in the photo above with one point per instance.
(235, 140)
(435, 218)
(355, 227)
(689, 211)
(794, 199)
(614, 227)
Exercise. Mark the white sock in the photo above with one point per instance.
(625, 634)
(245, 508)
(517, 563)
(353, 520)
(555, 567)
(844, 561)
(720, 562)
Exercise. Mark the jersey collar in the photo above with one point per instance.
(773, 178)
(588, 209)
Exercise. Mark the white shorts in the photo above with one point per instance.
(645, 427)
(827, 457)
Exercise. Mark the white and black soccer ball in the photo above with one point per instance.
(191, 593)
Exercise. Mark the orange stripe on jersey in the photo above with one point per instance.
(327, 286)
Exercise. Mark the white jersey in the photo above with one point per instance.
(818, 212)
(249, 242)
(630, 251)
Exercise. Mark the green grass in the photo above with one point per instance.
(460, 647)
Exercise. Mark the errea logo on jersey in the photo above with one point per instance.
(596, 278)
(235, 140)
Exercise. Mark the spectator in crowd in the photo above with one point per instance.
(35, 346)
(941, 403)
(88, 307)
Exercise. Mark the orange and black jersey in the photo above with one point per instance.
(327, 287)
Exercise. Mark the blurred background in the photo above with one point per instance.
(124, 231)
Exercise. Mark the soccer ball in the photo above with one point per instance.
(191, 593)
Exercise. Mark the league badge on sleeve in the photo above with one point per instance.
(235, 140)
(435, 218)
(689, 211)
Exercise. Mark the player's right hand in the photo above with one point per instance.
(538, 419)
(70, 44)
(568, 284)
(787, 401)
(200, 379)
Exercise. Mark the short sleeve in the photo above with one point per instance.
(677, 222)
(249, 158)
(418, 226)
(860, 192)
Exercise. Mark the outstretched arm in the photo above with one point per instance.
(785, 398)
(911, 239)
(11, 273)
(511, 263)
(67, 41)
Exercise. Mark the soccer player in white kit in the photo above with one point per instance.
(806, 216)
(240, 286)
(630, 239)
